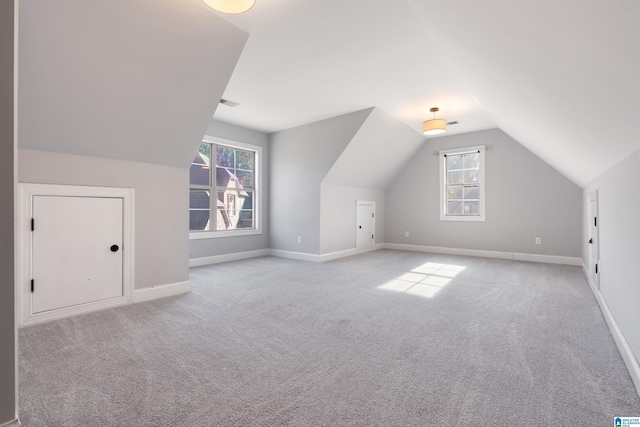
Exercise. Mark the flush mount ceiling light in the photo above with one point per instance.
(434, 126)
(230, 6)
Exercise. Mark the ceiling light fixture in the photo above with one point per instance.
(230, 6)
(434, 126)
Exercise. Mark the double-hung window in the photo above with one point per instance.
(224, 189)
(462, 184)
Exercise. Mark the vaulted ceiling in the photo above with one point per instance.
(559, 77)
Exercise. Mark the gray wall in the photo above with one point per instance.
(338, 216)
(161, 200)
(7, 183)
(619, 232)
(365, 168)
(219, 246)
(525, 198)
(300, 159)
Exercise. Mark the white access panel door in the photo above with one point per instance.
(76, 251)
(365, 224)
(594, 240)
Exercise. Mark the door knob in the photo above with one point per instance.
(114, 248)
(591, 241)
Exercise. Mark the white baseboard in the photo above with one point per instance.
(161, 291)
(197, 262)
(549, 259)
(349, 252)
(301, 256)
(623, 345)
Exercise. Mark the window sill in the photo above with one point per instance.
(196, 235)
(461, 218)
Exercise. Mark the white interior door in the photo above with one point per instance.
(76, 251)
(594, 241)
(365, 224)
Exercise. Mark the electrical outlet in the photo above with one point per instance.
(406, 234)
(538, 240)
(299, 239)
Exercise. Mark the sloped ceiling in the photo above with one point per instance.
(124, 79)
(376, 153)
(559, 77)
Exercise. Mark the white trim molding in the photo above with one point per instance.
(236, 256)
(549, 259)
(302, 256)
(621, 342)
(161, 291)
(299, 256)
(349, 252)
(26, 192)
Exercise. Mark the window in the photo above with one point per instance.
(223, 187)
(462, 184)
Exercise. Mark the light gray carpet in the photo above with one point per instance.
(273, 342)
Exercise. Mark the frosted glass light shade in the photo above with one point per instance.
(230, 6)
(434, 127)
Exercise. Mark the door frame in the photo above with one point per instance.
(26, 192)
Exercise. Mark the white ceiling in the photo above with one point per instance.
(562, 78)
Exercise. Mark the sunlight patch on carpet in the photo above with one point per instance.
(424, 281)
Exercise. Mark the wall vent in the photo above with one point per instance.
(228, 103)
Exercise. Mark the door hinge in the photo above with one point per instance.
(33, 224)
(31, 285)
(373, 215)
(596, 268)
(595, 221)
(372, 236)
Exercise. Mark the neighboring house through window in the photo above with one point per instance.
(462, 184)
(224, 187)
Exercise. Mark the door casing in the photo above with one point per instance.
(26, 193)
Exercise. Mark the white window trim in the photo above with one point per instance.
(443, 180)
(257, 211)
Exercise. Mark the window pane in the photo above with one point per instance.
(199, 199)
(472, 208)
(245, 159)
(232, 205)
(245, 179)
(471, 192)
(454, 193)
(199, 220)
(472, 161)
(454, 162)
(199, 170)
(221, 198)
(471, 176)
(246, 200)
(224, 156)
(454, 177)
(454, 208)
(246, 219)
